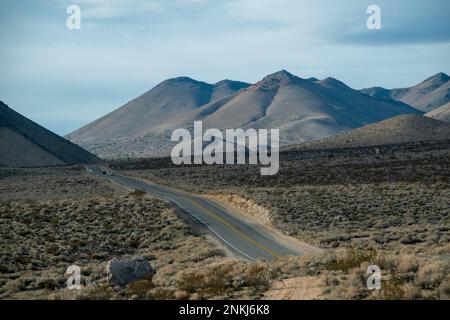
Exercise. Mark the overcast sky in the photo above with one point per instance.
(64, 78)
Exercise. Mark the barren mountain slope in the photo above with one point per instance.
(441, 113)
(164, 104)
(400, 129)
(425, 96)
(303, 110)
(24, 143)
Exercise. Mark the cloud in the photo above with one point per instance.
(124, 47)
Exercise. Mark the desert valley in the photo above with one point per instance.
(364, 179)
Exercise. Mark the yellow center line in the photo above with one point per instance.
(241, 234)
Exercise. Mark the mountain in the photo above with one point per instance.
(24, 143)
(303, 110)
(425, 96)
(163, 104)
(441, 113)
(399, 129)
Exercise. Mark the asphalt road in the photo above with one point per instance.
(243, 239)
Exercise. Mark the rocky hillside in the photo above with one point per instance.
(303, 110)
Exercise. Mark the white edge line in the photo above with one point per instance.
(196, 217)
(254, 228)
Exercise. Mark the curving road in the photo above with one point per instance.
(243, 239)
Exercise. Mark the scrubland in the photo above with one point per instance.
(388, 206)
(53, 218)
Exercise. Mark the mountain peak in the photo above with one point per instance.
(281, 77)
(438, 79)
(181, 81)
(231, 83)
(282, 74)
(332, 82)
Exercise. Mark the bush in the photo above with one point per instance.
(431, 275)
(257, 276)
(444, 288)
(189, 281)
(353, 258)
(97, 293)
(407, 264)
(137, 193)
(216, 282)
(139, 288)
(392, 290)
(161, 294)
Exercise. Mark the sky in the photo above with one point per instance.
(64, 79)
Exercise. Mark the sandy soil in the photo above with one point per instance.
(299, 288)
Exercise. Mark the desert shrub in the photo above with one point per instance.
(444, 288)
(396, 288)
(189, 281)
(431, 275)
(216, 281)
(47, 283)
(356, 287)
(206, 253)
(353, 258)
(411, 292)
(257, 276)
(137, 193)
(3, 269)
(407, 264)
(52, 249)
(139, 288)
(181, 295)
(386, 262)
(161, 294)
(391, 289)
(219, 280)
(97, 293)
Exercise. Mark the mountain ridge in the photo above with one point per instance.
(303, 110)
(425, 96)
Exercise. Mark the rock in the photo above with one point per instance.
(122, 272)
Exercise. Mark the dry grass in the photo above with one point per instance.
(394, 203)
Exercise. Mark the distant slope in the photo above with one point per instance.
(399, 129)
(425, 96)
(441, 113)
(24, 143)
(303, 110)
(163, 104)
